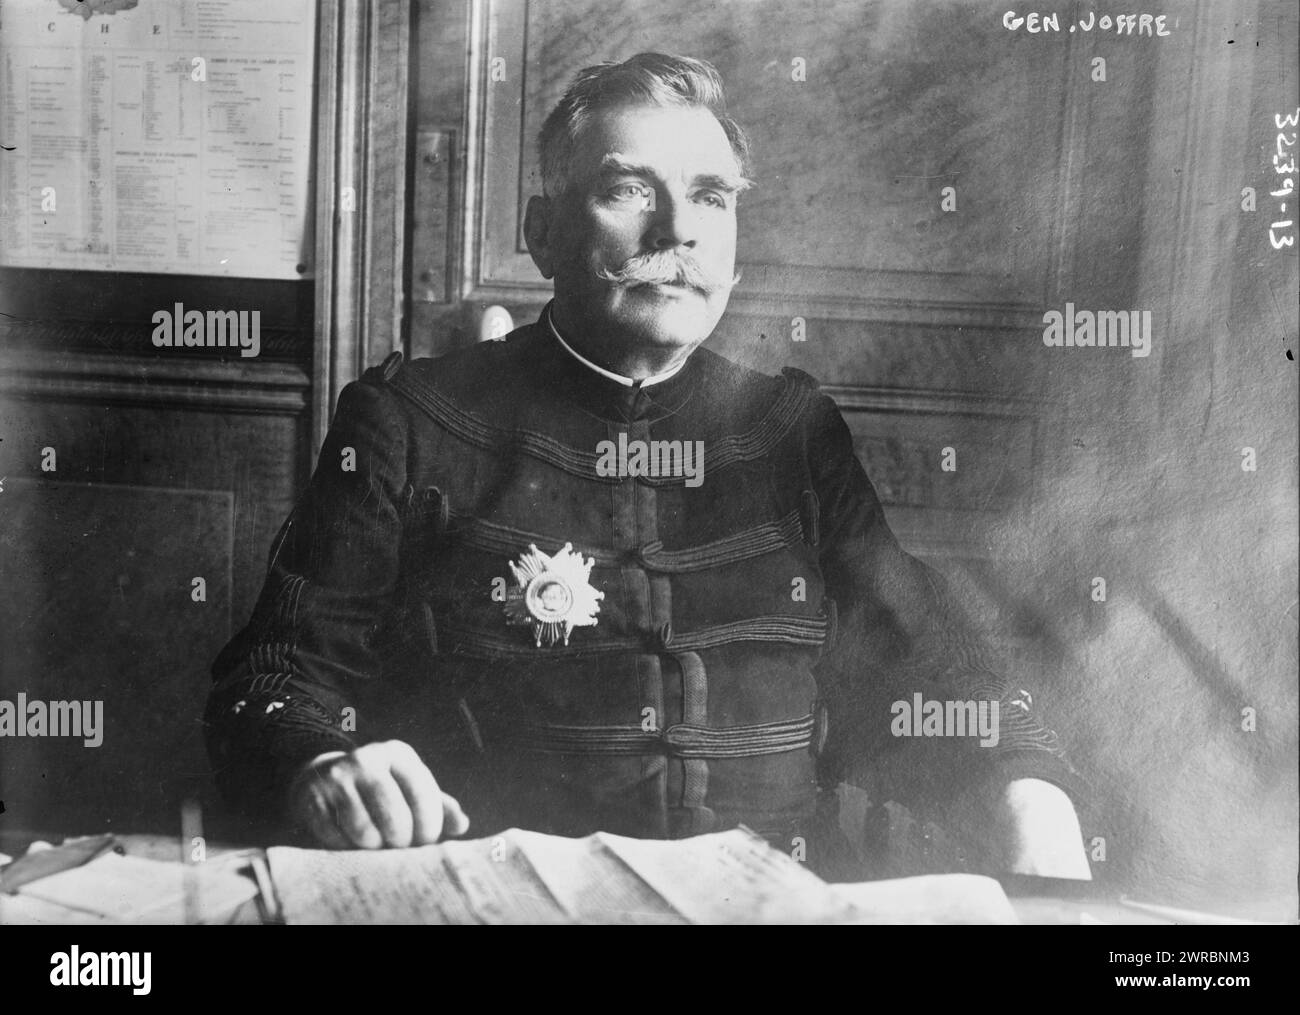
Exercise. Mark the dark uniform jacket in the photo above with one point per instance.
(755, 626)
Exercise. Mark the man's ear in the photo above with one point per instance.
(537, 234)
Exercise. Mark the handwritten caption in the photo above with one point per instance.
(1121, 24)
(1287, 169)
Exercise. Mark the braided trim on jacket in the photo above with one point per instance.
(790, 405)
(464, 640)
(756, 541)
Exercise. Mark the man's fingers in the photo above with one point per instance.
(323, 825)
(388, 808)
(352, 816)
(454, 819)
(423, 796)
(313, 807)
(325, 812)
(379, 795)
(436, 813)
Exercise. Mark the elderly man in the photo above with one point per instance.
(596, 577)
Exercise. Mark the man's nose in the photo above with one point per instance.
(672, 222)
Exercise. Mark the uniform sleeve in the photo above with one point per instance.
(281, 687)
(901, 631)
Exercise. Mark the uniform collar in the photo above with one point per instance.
(626, 382)
(557, 367)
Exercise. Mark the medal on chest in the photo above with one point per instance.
(553, 594)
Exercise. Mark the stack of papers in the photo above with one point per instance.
(528, 877)
(115, 889)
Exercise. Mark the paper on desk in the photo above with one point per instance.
(526, 877)
(29, 911)
(930, 898)
(588, 881)
(132, 889)
(729, 877)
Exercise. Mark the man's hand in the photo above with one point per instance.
(380, 795)
(1041, 831)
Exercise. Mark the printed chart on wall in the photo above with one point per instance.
(153, 136)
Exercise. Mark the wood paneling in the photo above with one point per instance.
(121, 423)
(97, 604)
(167, 468)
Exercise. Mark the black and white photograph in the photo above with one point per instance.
(548, 462)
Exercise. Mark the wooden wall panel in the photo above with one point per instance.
(166, 469)
(174, 426)
(97, 605)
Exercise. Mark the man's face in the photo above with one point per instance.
(644, 180)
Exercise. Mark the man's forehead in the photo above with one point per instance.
(671, 141)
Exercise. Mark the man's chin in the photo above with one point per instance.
(666, 316)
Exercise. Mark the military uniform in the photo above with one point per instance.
(750, 635)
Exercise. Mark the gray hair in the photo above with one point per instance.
(653, 79)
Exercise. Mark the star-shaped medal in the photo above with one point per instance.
(553, 594)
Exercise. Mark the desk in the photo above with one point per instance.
(1031, 899)
(166, 849)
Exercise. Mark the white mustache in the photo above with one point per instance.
(665, 267)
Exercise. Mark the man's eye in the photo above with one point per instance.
(630, 191)
(712, 198)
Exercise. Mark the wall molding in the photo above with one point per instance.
(931, 401)
(362, 136)
(181, 381)
(39, 336)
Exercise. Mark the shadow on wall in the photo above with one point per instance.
(1176, 695)
(1175, 698)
